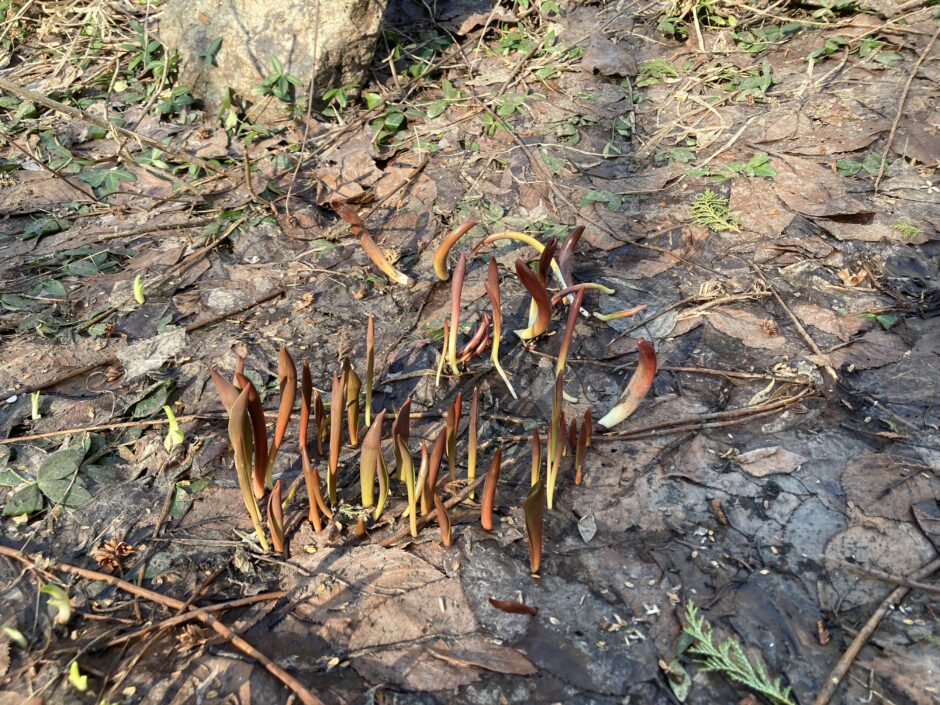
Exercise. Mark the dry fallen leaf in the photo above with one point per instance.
(850, 279)
(769, 461)
(746, 327)
(477, 652)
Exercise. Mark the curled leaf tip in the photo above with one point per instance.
(440, 255)
(637, 389)
(625, 313)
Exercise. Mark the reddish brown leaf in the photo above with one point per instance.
(453, 422)
(369, 246)
(545, 260)
(276, 518)
(443, 520)
(513, 607)
(534, 509)
(259, 434)
(353, 384)
(369, 458)
(336, 436)
(569, 332)
(566, 253)
(489, 490)
(542, 301)
(473, 346)
(311, 478)
(287, 382)
(637, 389)
(401, 428)
(228, 393)
(434, 463)
(584, 440)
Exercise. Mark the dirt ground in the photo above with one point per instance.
(761, 178)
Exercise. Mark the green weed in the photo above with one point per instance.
(729, 659)
(712, 211)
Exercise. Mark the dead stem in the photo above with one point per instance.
(200, 614)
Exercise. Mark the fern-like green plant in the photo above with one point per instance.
(712, 211)
(729, 658)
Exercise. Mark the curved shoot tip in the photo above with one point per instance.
(568, 290)
(440, 255)
(637, 389)
(615, 315)
(525, 239)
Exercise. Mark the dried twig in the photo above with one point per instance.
(901, 100)
(807, 338)
(883, 576)
(184, 617)
(841, 668)
(202, 615)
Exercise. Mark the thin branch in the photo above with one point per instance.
(295, 686)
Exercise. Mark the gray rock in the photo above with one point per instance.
(608, 59)
(342, 35)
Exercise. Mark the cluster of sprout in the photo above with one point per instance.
(351, 402)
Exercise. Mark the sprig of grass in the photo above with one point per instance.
(712, 211)
(729, 659)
